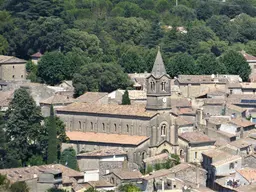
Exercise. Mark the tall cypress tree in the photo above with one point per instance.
(126, 99)
(52, 139)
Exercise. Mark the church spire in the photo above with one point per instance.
(158, 68)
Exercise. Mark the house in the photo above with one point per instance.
(251, 60)
(136, 96)
(57, 100)
(44, 177)
(183, 125)
(235, 111)
(193, 144)
(219, 163)
(36, 57)
(67, 85)
(139, 80)
(157, 159)
(12, 68)
(103, 160)
(123, 176)
(194, 85)
(250, 161)
(214, 107)
(238, 127)
(100, 185)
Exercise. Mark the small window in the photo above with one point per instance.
(21, 76)
(163, 86)
(13, 67)
(91, 125)
(13, 76)
(195, 155)
(115, 127)
(103, 126)
(80, 125)
(152, 86)
(163, 130)
(231, 166)
(127, 128)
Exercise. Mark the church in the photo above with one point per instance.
(140, 130)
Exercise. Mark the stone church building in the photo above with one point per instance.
(141, 130)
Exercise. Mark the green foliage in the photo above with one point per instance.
(91, 189)
(23, 126)
(177, 159)
(52, 68)
(129, 188)
(3, 45)
(52, 139)
(235, 63)
(125, 98)
(19, 186)
(103, 77)
(149, 169)
(56, 190)
(31, 69)
(68, 158)
(35, 160)
(4, 183)
(157, 166)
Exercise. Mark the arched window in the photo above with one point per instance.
(103, 126)
(127, 128)
(163, 86)
(163, 130)
(112, 180)
(152, 86)
(91, 125)
(115, 127)
(80, 125)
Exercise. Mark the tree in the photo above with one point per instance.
(4, 183)
(181, 64)
(103, 77)
(207, 65)
(52, 139)
(23, 126)
(56, 190)
(152, 38)
(186, 13)
(125, 98)
(52, 68)
(3, 45)
(19, 186)
(68, 158)
(251, 47)
(236, 64)
(129, 188)
(31, 69)
(91, 189)
(35, 160)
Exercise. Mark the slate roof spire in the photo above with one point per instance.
(158, 68)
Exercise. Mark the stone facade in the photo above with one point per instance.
(12, 69)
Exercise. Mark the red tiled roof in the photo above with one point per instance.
(249, 57)
(37, 55)
(125, 174)
(242, 122)
(106, 138)
(195, 137)
(113, 109)
(91, 97)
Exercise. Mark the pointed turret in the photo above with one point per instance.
(158, 68)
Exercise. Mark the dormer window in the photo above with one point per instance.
(163, 86)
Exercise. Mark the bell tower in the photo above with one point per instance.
(158, 86)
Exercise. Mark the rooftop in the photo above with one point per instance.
(5, 98)
(208, 79)
(91, 97)
(127, 175)
(58, 99)
(27, 173)
(248, 173)
(248, 57)
(157, 174)
(156, 157)
(195, 137)
(235, 108)
(181, 121)
(10, 60)
(240, 143)
(242, 122)
(158, 67)
(113, 109)
(103, 153)
(183, 167)
(37, 55)
(106, 138)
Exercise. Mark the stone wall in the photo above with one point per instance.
(12, 72)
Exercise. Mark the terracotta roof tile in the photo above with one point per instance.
(126, 110)
(10, 59)
(156, 157)
(248, 57)
(103, 153)
(37, 55)
(248, 173)
(58, 99)
(181, 121)
(100, 183)
(91, 97)
(157, 174)
(195, 137)
(106, 138)
(235, 108)
(126, 175)
(242, 122)
(5, 98)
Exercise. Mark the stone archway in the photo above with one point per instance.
(165, 151)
